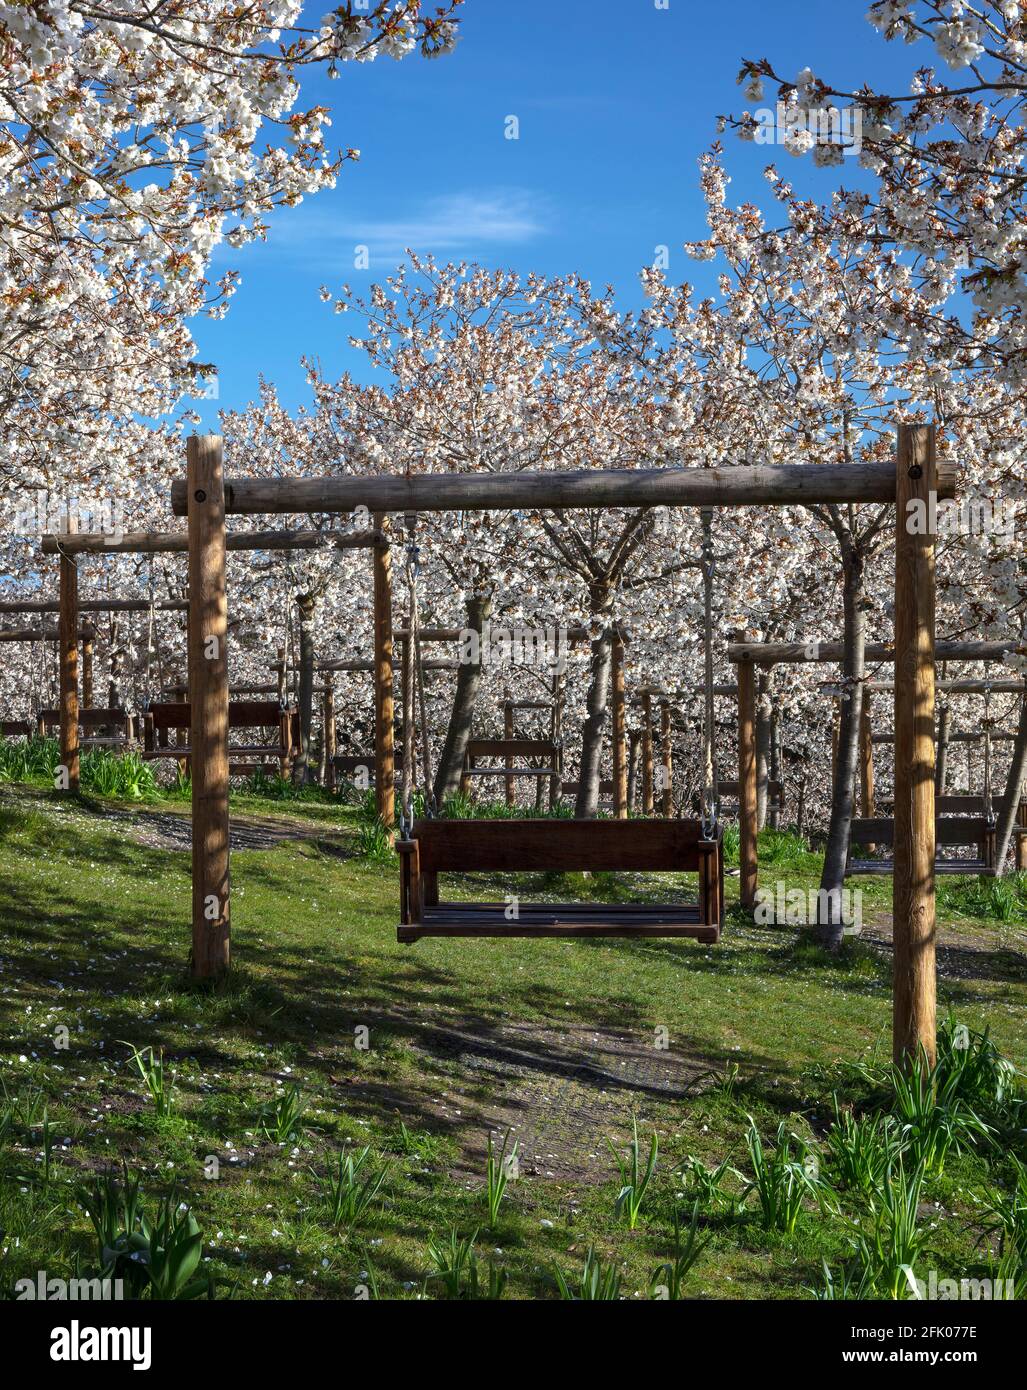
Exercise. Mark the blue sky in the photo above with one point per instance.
(616, 101)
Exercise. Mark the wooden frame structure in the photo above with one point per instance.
(915, 477)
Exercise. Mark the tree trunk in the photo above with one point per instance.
(302, 770)
(1007, 816)
(587, 804)
(468, 683)
(776, 774)
(830, 931)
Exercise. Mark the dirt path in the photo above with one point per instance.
(171, 830)
(964, 953)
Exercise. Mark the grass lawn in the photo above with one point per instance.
(420, 1051)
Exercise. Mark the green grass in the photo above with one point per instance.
(331, 1051)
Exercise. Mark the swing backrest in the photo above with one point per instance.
(561, 846)
(242, 714)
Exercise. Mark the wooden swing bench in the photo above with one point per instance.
(351, 763)
(90, 718)
(728, 791)
(972, 804)
(557, 846)
(162, 718)
(508, 749)
(15, 728)
(950, 830)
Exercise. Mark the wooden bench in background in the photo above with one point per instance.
(949, 831)
(559, 846)
(728, 791)
(117, 720)
(548, 753)
(161, 719)
(15, 728)
(972, 804)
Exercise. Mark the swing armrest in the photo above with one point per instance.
(410, 898)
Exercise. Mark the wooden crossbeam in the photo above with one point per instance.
(97, 605)
(798, 653)
(734, 485)
(432, 663)
(172, 542)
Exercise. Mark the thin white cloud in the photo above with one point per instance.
(458, 225)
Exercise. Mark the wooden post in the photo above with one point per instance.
(285, 743)
(282, 670)
(666, 760)
(329, 733)
(747, 783)
(208, 691)
(508, 733)
(915, 980)
(647, 754)
(67, 647)
(942, 768)
(620, 767)
(634, 749)
(559, 689)
(385, 734)
(776, 767)
(868, 800)
(88, 636)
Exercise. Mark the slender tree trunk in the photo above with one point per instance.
(590, 767)
(775, 763)
(830, 931)
(302, 769)
(1007, 815)
(468, 683)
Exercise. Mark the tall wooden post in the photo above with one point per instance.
(508, 733)
(634, 740)
(747, 851)
(647, 754)
(384, 715)
(88, 636)
(328, 733)
(620, 764)
(67, 648)
(666, 760)
(915, 981)
(208, 699)
(941, 771)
